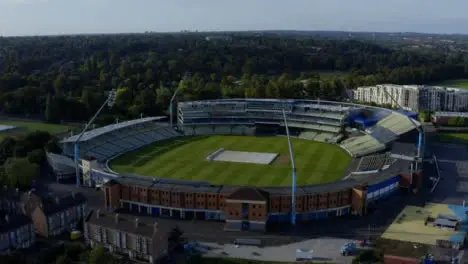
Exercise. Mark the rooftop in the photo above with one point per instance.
(109, 128)
(410, 226)
(142, 226)
(11, 222)
(53, 203)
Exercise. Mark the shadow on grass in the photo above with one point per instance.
(147, 153)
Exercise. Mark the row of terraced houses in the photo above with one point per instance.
(25, 214)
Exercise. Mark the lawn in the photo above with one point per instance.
(460, 83)
(184, 158)
(30, 127)
(453, 137)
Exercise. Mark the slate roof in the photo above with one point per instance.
(147, 227)
(249, 194)
(11, 222)
(10, 194)
(52, 204)
(125, 223)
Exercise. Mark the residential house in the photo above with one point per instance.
(140, 238)
(53, 215)
(16, 232)
(10, 201)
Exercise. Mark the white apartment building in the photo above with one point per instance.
(414, 97)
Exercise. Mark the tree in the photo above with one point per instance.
(63, 259)
(175, 240)
(36, 156)
(60, 83)
(368, 256)
(20, 172)
(48, 110)
(99, 255)
(53, 146)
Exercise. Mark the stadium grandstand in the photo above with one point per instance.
(63, 167)
(309, 119)
(314, 120)
(381, 141)
(106, 142)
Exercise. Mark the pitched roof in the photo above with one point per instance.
(52, 203)
(249, 194)
(10, 194)
(11, 222)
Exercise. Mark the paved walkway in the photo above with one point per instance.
(325, 250)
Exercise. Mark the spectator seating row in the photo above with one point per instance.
(398, 124)
(375, 162)
(362, 145)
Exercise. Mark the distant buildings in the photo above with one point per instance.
(414, 97)
(218, 37)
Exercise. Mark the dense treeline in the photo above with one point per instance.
(23, 157)
(65, 78)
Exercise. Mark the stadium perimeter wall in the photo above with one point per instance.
(242, 208)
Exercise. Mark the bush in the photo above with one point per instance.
(368, 256)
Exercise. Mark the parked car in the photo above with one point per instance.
(348, 249)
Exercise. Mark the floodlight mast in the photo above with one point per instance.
(110, 101)
(294, 171)
(174, 96)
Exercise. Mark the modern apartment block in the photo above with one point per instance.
(140, 238)
(414, 97)
(54, 215)
(16, 232)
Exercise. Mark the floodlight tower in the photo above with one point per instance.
(110, 101)
(174, 96)
(294, 172)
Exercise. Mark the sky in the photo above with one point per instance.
(52, 17)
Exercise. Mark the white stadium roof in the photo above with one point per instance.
(109, 128)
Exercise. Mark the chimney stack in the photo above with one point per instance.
(136, 222)
(116, 218)
(98, 212)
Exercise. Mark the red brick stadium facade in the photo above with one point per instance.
(242, 208)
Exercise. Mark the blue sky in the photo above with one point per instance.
(44, 17)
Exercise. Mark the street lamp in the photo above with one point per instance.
(294, 171)
(110, 101)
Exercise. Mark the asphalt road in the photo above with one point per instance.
(453, 166)
(324, 250)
